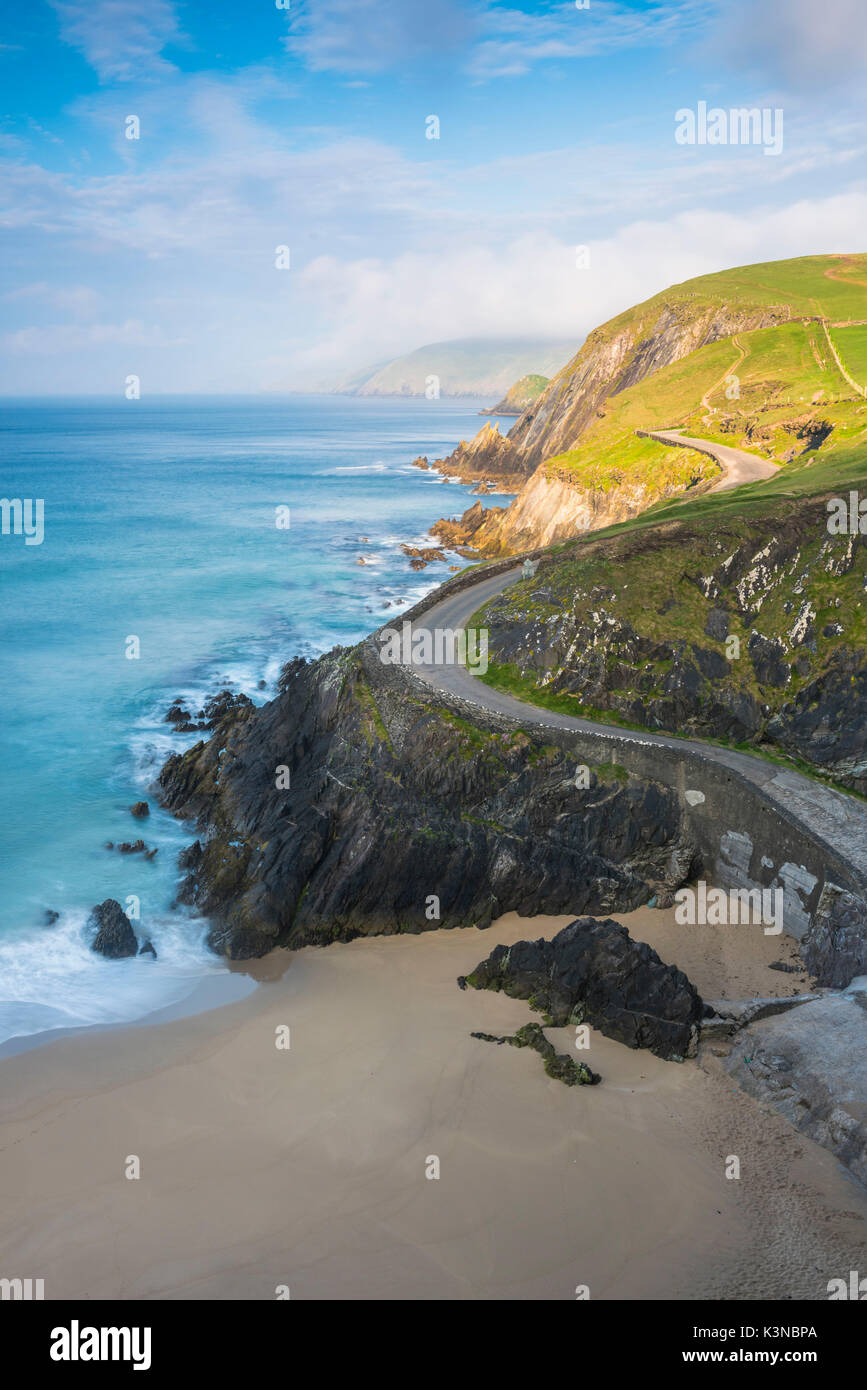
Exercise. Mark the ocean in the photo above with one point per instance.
(160, 525)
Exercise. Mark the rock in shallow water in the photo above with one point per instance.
(115, 937)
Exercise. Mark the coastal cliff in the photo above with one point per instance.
(340, 810)
(752, 630)
(745, 357)
(521, 396)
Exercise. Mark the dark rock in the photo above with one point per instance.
(717, 625)
(137, 847)
(391, 800)
(50, 917)
(140, 810)
(826, 720)
(558, 1065)
(834, 950)
(223, 705)
(593, 972)
(768, 658)
(148, 949)
(115, 937)
(785, 967)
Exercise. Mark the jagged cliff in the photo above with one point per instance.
(339, 809)
(751, 630)
(745, 355)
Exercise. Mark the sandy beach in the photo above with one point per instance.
(306, 1167)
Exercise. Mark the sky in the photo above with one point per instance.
(556, 194)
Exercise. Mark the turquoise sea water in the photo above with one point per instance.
(160, 525)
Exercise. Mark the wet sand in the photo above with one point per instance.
(306, 1167)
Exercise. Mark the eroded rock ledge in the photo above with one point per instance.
(338, 810)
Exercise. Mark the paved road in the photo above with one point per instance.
(839, 819)
(738, 466)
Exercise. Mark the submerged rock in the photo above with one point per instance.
(215, 710)
(115, 937)
(593, 972)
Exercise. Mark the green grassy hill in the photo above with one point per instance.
(735, 616)
(775, 391)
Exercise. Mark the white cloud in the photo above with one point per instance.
(532, 288)
(516, 40)
(369, 36)
(799, 41)
(121, 39)
(79, 300)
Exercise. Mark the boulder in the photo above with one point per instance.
(593, 972)
(115, 937)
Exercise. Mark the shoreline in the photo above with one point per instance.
(306, 1166)
(208, 987)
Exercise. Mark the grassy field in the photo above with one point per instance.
(851, 345)
(775, 391)
(832, 287)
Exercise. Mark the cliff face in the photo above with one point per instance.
(521, 396)
(546, 510)
(753, 631)
(617, 356)
(614, 357)
(393, 806)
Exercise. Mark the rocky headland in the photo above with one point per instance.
(739, 357)
(340, 810)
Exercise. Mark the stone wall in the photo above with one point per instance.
(745, 840)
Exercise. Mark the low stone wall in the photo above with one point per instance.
(744, 839)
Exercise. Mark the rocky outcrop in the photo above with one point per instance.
(548, 510)
(614, 357)
(140, 810)
(593, 972)
(115, 938)
(339, 810)
(558, 1065)
(811, 1065)
(719, 633)
(215, 709)
(519, 397)
(489, 455)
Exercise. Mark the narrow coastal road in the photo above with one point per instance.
(738, 466)
(839, 819)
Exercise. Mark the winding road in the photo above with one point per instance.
(838, 819)
(737, 465)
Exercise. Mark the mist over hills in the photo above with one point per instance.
(462, 367)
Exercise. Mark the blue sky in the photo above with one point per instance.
(262, 125)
